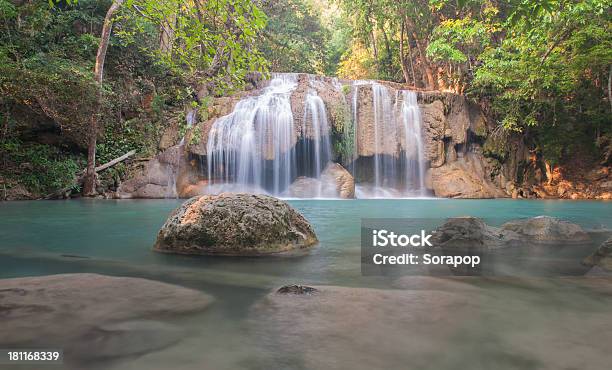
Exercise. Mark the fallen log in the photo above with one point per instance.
(115, 161)
(81, 175)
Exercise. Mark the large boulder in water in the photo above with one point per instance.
(234, 225)
(546, 230)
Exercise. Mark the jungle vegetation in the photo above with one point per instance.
(82, 82)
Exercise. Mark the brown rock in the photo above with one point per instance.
(234, 225)
(464, 178)
(341, 178)
(434, 123)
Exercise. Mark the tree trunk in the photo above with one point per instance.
(402, 54)
(166, 34)
(610, 87)
(90, 177)
(431, 81)
(388, 59)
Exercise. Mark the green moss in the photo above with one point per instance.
(496, 146)
(343, 136)
(346, 89)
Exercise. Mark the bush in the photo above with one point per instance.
(41, 168)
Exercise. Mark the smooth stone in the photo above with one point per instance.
(94, 316)
(546, 230)
(366, 328)
(472, 234)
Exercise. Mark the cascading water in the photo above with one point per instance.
(252, 148)
(316, 152)
(398, 167)
(385, 138)
(256, 147)
(414, 162)
(317, 149)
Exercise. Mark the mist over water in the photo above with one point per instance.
(524, 321)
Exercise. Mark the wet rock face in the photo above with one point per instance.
(466, 177)
(156, 179)
(434, 126)
(118, 316)
(234, 225)
(342, 179)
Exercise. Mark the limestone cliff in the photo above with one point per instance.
(459, 144)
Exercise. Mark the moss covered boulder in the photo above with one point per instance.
(235, 225)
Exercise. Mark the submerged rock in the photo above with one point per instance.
(601, 258)
(472, 234)
(117, 316)
(504, 319)
(359, 328)
(296, 289)
(234, 225)
(545, 229)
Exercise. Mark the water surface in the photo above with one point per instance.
(116, 237)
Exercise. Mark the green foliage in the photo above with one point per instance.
(213, 39)
(343, 133)
(41, 168)
(294, 39)
(545, 74)
(456, 40)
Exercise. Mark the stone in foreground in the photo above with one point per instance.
(235, 225)
(435, 323)
(93, 316)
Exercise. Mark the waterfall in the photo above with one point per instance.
(316, 152)
(385, 138)
(398, 165)
(259, 148)
(317, 149)
(252, 148)
(414, 162)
